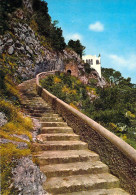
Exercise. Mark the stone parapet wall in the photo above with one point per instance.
(117, 154)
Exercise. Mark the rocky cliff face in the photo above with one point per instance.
(25, 48)
(28, 53)
(94, 78)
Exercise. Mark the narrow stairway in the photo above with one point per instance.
(69, 166)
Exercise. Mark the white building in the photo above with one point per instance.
(94, 62)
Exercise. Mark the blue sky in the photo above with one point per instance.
(107, 27)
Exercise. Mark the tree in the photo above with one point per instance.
(6, 7)
(77, 47)
(112, 75)
(126, 82)
(42, 17)
(46, 27)
(57, 39)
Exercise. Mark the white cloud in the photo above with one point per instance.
(74, 36)
(128, 62)
(97, 27)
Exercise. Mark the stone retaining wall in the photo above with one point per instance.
(117, 154)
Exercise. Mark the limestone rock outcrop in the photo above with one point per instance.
(30, 56)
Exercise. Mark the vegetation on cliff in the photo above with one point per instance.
(6, 8)
(114, 107)
(77, 47)
(46, 27)
(16, 126)
(12, 131)
(39, 17)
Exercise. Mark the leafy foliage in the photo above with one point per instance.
(66, 87)
(6, 7)
(87, 68)
(57, 40)
(42, 17)
(76, 46)
(115, 77)
(8, 88)
(46, 27)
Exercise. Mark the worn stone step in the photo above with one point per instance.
(78, 168)
(53, 124)
(41, 111)
(35, 104)
(40, 114)
(51, 119)
(36, 100)
(35, 114)
(35, 111)
(57, 137)
(113, 191)
(51, 115)
(67, 156)
(51, 130)
(77, 183)
(59, 145)
(39, 108)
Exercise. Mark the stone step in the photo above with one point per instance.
(66, 156)
(57, 137)
(40, 114)
(39, 108)
(51, 130)
(51, 119)
(41, 111)
(35, 98)
(113, 191)
(59, 145)
(32, 98)
(35, 104)
(35, 111)
(78, 168)
(51, 115)
(35, 114)
(77, 183)
(53, 124)
(39, 101)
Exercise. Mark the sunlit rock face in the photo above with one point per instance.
(30, 57)
(3, 119)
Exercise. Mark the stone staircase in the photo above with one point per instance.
(69, 166)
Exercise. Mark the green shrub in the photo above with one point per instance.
(6, 7)
(93, 82)
(77, 47)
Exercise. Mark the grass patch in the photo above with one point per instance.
(9, 154)
(17, 124)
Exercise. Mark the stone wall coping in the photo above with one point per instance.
(125, 148)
